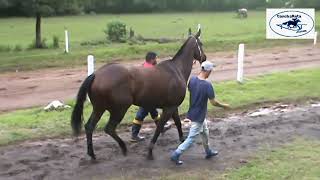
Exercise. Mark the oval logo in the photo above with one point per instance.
(291, 23)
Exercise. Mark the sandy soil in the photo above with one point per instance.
(237, 138)
(27, 89)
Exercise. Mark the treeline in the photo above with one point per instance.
(133, 6)
(44, 7)
(69, 7)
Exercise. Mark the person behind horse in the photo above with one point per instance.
(200, 91)
(150, 62)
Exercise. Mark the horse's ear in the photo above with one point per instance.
(198, 33)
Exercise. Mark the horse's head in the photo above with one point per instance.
(198, 52)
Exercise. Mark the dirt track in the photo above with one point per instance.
(236, 137)
(27, 89)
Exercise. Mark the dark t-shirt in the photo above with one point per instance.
(200, 92)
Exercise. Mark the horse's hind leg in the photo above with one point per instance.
(115, 118)
(176, 118)
(166, 115)
(89, 127)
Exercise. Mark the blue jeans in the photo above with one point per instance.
(196, 129)
(142, 113)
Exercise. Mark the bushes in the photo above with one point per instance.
(94, 43)
(18, 48)
(55, 43)
(43, 44)
(4, 48)
(116, 31)
(7, 48)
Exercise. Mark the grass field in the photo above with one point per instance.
(221, 31)
(35, 123)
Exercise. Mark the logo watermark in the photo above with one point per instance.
(290, 23)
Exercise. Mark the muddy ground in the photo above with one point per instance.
(19, 89)
(237, 137)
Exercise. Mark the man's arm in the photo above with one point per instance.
(215, 102)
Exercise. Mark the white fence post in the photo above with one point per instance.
(315, 38)
(240, 63)
(90, 61)
(66, 40)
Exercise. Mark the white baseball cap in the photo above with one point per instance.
(207, 66)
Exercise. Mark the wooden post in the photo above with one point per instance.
(315, 38)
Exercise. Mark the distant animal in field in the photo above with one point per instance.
(242, 13)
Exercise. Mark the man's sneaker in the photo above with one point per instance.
(137, 138)
(211, 153)
(175, 158)
(166, 127)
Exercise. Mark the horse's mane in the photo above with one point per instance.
(181, 48)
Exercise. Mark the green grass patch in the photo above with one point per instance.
(297, 160)
(221, 31)
(295, 85)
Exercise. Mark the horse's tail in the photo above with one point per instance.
(77, 114)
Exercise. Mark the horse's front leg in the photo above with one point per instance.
(176, 118)
(166, 115)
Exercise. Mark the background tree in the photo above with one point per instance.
(41, 8)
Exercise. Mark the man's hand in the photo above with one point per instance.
(215, 102)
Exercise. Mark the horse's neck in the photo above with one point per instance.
(184, 61)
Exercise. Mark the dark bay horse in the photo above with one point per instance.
(115, 88)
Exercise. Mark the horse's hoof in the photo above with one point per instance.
(182, 139)
(76, 139)
(150, 157)
(93, 156)
(124, 153)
